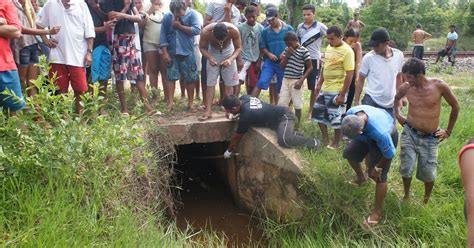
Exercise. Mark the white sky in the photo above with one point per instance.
(351, 3)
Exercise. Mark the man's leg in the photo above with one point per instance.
(311, 81)
(153, 67)
(121, 95)
(142, 91)
(288, 138)
(406, 187)
(212, 75)
(428, 189)
(77, 77)
(408, 157)
(182, 87)
(337, 137)
(190, 91)
(265, 78)
(355, 152)
(171, 85)
(380, 192)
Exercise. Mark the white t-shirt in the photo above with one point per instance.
(381, 74)
(76, 25)
(216, 11)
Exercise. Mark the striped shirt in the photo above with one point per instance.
(296, 63)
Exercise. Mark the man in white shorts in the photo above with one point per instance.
(220, 44)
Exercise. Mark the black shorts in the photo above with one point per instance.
(367, 100)
(357, 150)
(314, 75)
(418, 52)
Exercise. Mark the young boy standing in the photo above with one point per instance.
(421, 132)
(310, 34)
(250, 32)
(337, 75)
(294, 56)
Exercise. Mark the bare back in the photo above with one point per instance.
(425, 105)
(419, 37)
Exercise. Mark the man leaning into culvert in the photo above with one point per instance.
(255, 113)
(373, 132)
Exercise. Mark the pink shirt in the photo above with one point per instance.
(8, 12)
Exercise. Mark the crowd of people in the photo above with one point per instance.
(91, 41)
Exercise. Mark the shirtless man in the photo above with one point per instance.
(220, 44)
(419, 36)
(421, 133)
(355, 23)
(450, 47)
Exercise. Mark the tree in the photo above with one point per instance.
(470, 20)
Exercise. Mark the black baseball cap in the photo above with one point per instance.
(378, 36)
(255, 2)
(271, 12)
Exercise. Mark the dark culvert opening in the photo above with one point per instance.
(206, 197)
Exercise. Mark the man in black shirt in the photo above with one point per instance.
(254, 112)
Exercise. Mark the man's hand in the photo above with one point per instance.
(226, 63)
(257, 66)
(212, 61)
(176, 23)
(442, 134)
(340, 99)
(298, 84)
(289, 51)
(109, 25)
(376, 172)
(88, 59)
(227, 154)
(116, 15)
(227, 7)
(54, 30)
(401, 120)
(166, 58)
(272, 57)
(51, 43)
(3, 21)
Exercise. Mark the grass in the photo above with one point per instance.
(104, 181)
(335, 209)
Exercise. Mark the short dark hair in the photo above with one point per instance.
(414, 66)
(177, 5)
(290, 36)
(418, 25)
(250, 10)
(220, 31)
(309, 7)
(230, 101)
(351, 33)
(452, 26)
(336, 30)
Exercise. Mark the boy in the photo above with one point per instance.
(337, 75)
(294, 56)
(250, 32)
(310, 34)
(421, 132)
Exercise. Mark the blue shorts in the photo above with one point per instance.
(182, 67)
(29, 55)
(423, 148)
(101, 65)
(11, 97)
(268, 70)
(326, 112)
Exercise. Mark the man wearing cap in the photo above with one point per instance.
(272, 46)
(383, 69)
(373, 132)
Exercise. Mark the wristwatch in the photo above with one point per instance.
(378, 169)
(89, 51)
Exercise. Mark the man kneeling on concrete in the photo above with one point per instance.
(373, 133)
(253, 112)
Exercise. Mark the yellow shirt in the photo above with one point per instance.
(261, 18)
(337, 60)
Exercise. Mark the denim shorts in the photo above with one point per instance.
(182, 67)
(423, 148)
(29, 55)
(11, 97)
(326, 112)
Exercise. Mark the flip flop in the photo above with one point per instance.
(370, 223)
(154, 113)
(204, 117)
(202, 107)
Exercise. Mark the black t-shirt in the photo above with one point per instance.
(254, 112)
(100, 38)
(123, 26)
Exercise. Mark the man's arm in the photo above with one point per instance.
(228, 12)
(192, 30)
(427, 36)
(235, 141)
(12, 27)
(397, 106)
(10, 32)
(453, 102)
(207, 20)
(204, 46)
(285, 56)
(358, 89)
(237, 43)
(308, 70)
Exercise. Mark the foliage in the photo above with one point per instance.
(470, 20)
